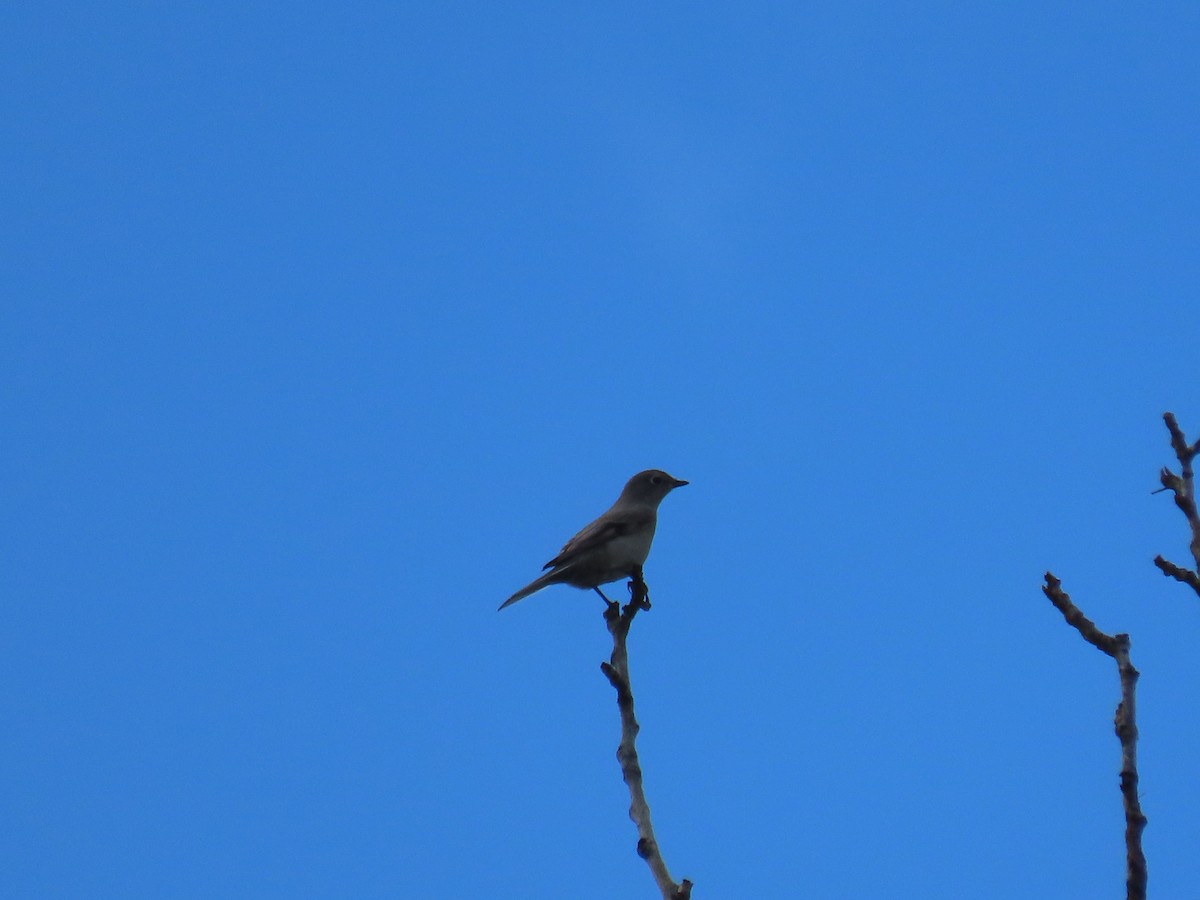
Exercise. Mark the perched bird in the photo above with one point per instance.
(615, 545)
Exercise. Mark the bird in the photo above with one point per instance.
(615, 545)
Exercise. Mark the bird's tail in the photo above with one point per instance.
(533, 587)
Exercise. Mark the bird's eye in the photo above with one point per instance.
(656, 479)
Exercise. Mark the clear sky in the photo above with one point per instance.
(324, 326)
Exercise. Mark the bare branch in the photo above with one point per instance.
(1076, 619)
(617, 672)
(1187, 576)
(1183, 487)
(1125, 722)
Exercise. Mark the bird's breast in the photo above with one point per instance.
(630, 549)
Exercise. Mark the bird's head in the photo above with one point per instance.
(650, 486)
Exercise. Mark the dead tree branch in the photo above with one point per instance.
(1183, 487)
(617, 672)
(1117, 647)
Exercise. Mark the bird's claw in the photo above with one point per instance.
(639, 594)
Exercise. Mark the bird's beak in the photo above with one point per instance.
(679, 482)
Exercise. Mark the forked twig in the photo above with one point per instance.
(1183, 487)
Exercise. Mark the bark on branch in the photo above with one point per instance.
(617, 672)
(1117, 647)
(1183, 487)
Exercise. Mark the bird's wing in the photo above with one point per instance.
(599, 533)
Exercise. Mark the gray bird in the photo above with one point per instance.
(615, 545)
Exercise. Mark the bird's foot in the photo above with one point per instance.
(639, 593)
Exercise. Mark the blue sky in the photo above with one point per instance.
(323, 328)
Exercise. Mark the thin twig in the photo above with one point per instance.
(1117, 647)
(1186, 576)
(1183, 487)
(617, 672)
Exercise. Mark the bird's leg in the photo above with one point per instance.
(613, 608)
